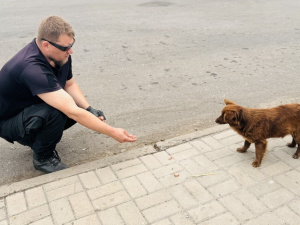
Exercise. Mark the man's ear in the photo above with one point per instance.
(227, 102)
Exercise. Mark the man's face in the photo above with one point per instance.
(58, 56)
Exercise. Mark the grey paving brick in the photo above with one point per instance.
(180, 219)
(16, 204)
(161, 211)
(183, 196)
(250, 201)
(250, 171)
(236, 207)
(131, 171)
(226, 219)
(163, 222)
(264, 187)
(4, 222)
(153, 199)
(189, 153)
(111, 200)
(228, 160)
(151, 162)
(294, 175)
(277, 198)
(205, 163)
(295, 206)
(234, 139)
(241, 178)
(89, 180)
(131, 214)
(198, 191)
(200, 146)
(163, 157)
(61, 183)
(267, 218)
(224, 188)
(219, 153)
(126, 164)
(134, 187)
(2, 204)
(30, 215)
(278, 144)
(149, 182)
(214, 178)
(288, 183)
(212, 142)
(106, 175)
(167, 170)
(2, 214)
(287, 158)
(64, 191)
(35, 197)
(288, 215)
(45, 221)
(81, 205)
(110, 217)
(276, 168)
(192, 166)
(207, 211)
(268, 160)
(179, 148)
(61, 211)
(88, 220)
(170, 180)
(104, 190)
(224, 134)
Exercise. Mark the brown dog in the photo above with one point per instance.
(257, 125)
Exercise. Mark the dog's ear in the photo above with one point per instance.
(241, 117)
(227, 102)
(238, 120)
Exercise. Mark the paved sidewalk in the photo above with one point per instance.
(215, 185)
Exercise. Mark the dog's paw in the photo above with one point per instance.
(241, 150)
(256, 163)
(296, 156)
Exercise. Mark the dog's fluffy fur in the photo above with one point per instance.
(257, 125)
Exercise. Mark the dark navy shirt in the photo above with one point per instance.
(25, 76)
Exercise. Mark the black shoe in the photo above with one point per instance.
(49, 164)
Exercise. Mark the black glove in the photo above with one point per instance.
(96, 112)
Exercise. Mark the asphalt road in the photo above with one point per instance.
(160, 69)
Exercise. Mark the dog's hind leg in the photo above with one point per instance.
(245, 147)
(292, 144)
(297, 153)
(260, 151)
(296, 139)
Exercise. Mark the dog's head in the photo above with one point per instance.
(231, 114)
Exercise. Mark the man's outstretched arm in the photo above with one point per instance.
(62, 101)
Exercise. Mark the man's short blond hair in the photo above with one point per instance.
(52, 27)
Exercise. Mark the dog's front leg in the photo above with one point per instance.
(245, 147)
(260, 151)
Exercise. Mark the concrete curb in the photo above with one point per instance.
(6, 190)
(163, 145)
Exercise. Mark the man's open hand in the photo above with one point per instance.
(122, 135)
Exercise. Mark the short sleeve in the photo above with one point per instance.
(39, 79)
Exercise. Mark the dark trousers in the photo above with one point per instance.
(39, 126)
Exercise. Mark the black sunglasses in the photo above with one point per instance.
(62, 48)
